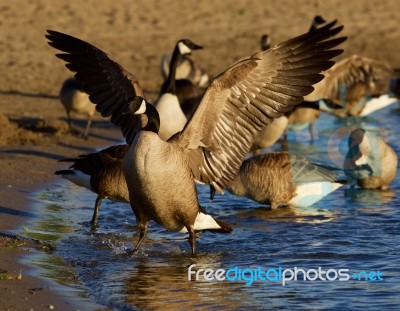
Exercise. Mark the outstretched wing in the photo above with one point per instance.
(247, 96)
(109, 85)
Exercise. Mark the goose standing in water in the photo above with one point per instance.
(278, 178)
(100, 172)
(357, 84)
(370, 161)
(174, 92)
(74, 99)
(211, 148)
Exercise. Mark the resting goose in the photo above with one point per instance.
(174, 92)
(74, 99)
(100, 172)
(279, 178)
(357, 84)
(161, 174)
(370, 161)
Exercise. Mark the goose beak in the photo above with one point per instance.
(196, 46)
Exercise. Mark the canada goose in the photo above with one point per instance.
(370, 161)
(100, 172)
(357, 84)
(279, 178)
(186, 69)
(74, 99)
(239, 102)
(168, 105)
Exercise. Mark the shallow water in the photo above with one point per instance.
(349, 229)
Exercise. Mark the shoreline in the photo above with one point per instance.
(33, 133)
(17, 208)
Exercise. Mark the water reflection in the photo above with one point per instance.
(356, 229)
(370, 198)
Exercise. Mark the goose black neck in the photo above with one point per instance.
(153, 119)
(169, 85)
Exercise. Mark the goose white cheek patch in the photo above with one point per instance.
(142, 108)
(183, 48)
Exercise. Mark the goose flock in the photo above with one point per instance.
(203, 130)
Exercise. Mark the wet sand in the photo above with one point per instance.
(33, 130)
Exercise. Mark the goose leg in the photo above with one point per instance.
(192, 239)
(96, 212)
(142, 235)
(69, 121)
(310, 129)
(86, 132)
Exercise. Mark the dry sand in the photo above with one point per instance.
(33, 131)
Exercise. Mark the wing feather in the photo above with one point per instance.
(109, 85)
(247, 96)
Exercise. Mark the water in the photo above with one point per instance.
(350, 229)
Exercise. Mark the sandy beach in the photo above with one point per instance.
(33, 128)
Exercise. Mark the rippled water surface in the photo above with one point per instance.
(349, 229)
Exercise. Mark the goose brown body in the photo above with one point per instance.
(212, 146)
(274, 178)
(101, 172)
(370, 160)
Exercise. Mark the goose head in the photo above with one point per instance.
(149, 117)
(265, 42)
(186, 46)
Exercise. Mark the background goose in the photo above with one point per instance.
(174, 92)
(359, 85)
(74, 99)
(265, 42)
(186, 68)
(239, 102)
(370, 161)
(100, 172)
(279, 178)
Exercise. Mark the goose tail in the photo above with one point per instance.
(205, 222)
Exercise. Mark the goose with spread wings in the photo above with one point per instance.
(239, 102)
